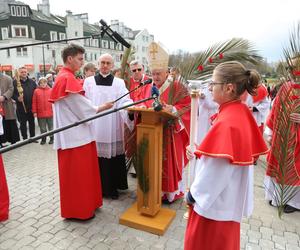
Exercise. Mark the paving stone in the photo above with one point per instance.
(35, 221)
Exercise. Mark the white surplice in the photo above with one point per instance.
(109, 130)
(222, 191)
(69, 110)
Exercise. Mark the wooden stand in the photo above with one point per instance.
(146, 214)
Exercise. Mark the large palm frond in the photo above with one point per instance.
(236, 49)
(285, 132)
(292, 50)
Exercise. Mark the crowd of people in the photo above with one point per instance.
(234, 107)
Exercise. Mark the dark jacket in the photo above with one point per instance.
(28, 88)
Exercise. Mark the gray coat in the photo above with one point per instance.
(7, 89)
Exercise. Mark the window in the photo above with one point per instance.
(13, 10)
(8, 53)
(95, 58)
(104, 44)
(53, 35)
(62, 36)
(24, 11)
(4, 32)
(112, 45)
(87, 42)
(53, 53)
(96, 42)
(33, 32)
(22, 52)
(76, 33)
(19, 31)
(18, 8)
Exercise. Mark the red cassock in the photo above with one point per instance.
(236, 137)
(79, 176)
(288, 97)
(79, 181)
(4, 196)
(141, 93)
(176, 140)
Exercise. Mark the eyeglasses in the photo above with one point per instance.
(135, 70)
(215, 83)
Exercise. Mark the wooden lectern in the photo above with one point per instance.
(146, 214)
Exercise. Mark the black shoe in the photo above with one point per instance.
(51, 141)
(270, 203)
(43, 142)
(115, 195)
(289, 209)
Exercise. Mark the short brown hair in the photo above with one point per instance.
(235, 72)
(71, 50)
(89, 66)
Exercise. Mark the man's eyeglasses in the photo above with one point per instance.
(135, 70)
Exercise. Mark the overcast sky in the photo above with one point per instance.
(193, 25)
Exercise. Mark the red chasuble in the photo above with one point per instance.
(65, 83)
(175, 140)
(234, 136)
(79, 176)
(288, 98)
(141, 93)
(4, 196)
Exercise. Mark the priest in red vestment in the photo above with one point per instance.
(4, 195)
(79, 177)
(222, 190)
(175, 98)
(138, 77)
(283, 171)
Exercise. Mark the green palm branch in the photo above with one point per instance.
(235, 49)
(285, 131)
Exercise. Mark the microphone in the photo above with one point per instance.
(155, 94)
(148, 81)
(113, 34)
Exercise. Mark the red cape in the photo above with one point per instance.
(65, 83)
(262, 93)
(142, 92)
(234, 136)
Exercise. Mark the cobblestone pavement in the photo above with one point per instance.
(35, 221)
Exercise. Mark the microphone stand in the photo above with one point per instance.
(119, 98)
(52, 132)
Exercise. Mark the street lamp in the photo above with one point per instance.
(43, 51)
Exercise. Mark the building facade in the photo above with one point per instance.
(20, 25)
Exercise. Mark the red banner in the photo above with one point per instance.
(47, 67)
(29, 67)
(6, 67)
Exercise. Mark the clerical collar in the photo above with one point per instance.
(104, 76)
(104, 81)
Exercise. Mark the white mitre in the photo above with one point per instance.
(158, 57)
